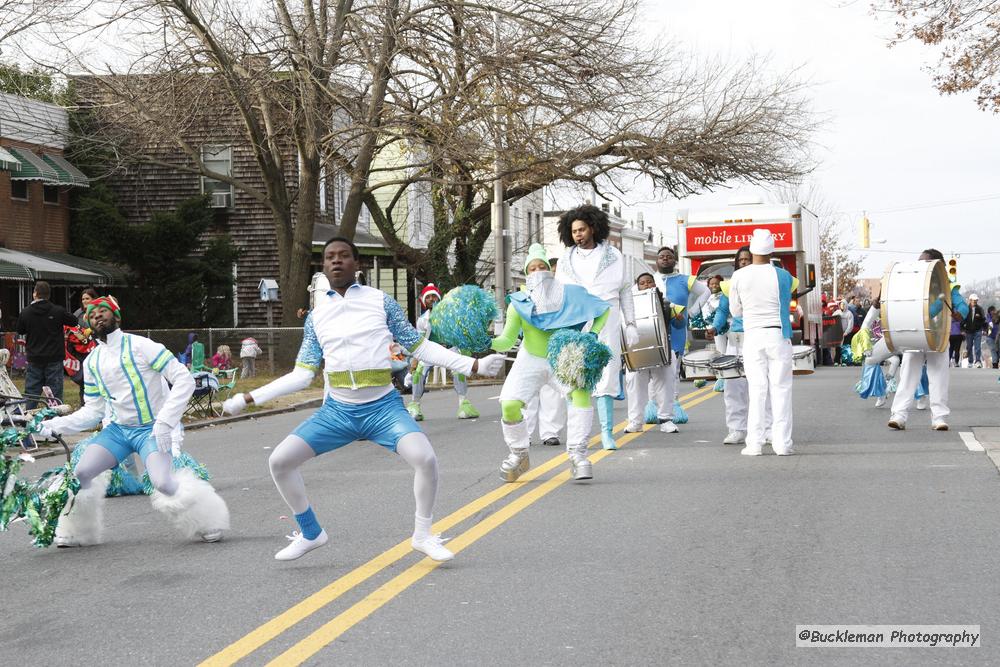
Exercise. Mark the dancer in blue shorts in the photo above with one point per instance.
(126, 372)
(349, 331)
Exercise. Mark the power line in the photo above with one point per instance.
(936, 204)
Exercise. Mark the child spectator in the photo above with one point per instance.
(248, 354)
(222, 360)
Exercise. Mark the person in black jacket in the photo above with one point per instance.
(41, 323)
(973, 327)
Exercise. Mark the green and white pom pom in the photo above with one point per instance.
(577, 359)
(463, 318)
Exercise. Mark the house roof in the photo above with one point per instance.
(369, 244)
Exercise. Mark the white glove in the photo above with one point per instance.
(631, 335)
(45, 431)
(490, 365)
(408, 380)
(234, 405)
(162, 434)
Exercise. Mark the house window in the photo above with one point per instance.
(322, 189)
(220, 160)
(19, 190)
(50, 194)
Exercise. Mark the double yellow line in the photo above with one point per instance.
(330, 631)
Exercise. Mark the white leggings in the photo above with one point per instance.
(96, 459)
(414, 448)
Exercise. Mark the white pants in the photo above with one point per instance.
(737, 397)
(909, 378)
(548, 411)
(656, 383)
(767, 360)
(611, 335)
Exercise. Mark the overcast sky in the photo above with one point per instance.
(892, 141)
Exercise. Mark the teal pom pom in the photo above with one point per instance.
(462, 319)
(680, 416)
(720, 385)
(181, 461)
(652, 413)
(577, 359)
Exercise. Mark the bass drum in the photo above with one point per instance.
(653, 348)
(916, 306)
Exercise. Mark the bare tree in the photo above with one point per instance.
(966, 35)
(540, 92)
(18, 17)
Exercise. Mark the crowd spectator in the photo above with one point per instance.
(41, 323)
(222, 359)
(973, 327)
(88, 294)
(993, 328)
(955, 339)
(248, 355)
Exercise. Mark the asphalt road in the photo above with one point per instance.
(680, 551)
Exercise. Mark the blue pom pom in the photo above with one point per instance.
(652, 413)
(462, 319)
(680, 416)
(577, 359)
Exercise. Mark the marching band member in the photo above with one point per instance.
(735, 393)
(129, 373)
(936, 363)
(429, 296)
(761, 294)
(349, 331)
(657, 382)
(599, 267)
(682, 290)
(542, 308)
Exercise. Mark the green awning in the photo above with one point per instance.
(9, 271)
(68, 174)
(110, 274)
(8, 162)
(34, 267)
(33, 168)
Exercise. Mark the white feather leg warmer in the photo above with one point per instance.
(83, 525)
(195, 509)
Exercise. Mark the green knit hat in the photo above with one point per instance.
(536, 251)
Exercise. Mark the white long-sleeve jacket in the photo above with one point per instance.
(126, 373)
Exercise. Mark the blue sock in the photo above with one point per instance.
(308, 524)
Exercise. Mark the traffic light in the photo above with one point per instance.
(864, 228)
(953, 270)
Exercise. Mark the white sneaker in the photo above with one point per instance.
(432, 546)
(735, 438)
(880, 402)
(782, 452)
(897, 423)
(213, 536)
(633, 427)
(300, 546)
(923, 403)
(669, 427)
(751, 451)
(939, 425)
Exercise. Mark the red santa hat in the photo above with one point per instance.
(427, 291)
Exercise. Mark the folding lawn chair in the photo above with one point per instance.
(205, 387)
(227, 383)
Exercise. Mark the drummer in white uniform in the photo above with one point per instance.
(937, 365)
(656, 382)
(599, 267)
(761, 294)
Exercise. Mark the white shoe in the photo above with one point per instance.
(735, 438)
(211, 536)
(923, 402)
(782, 452)
(751, 451)
(939, 425)
(669, 427)
(633, 427)
(300, 546)
(880, 402)
(432, 546)
(897, 423)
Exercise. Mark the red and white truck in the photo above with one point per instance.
(708, 238)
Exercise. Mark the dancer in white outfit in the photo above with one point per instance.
(655, 383)
(761, 294)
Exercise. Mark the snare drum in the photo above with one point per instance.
(803, 359)
(916, 306)
(653, 348)
(728, 367)
(698, 365)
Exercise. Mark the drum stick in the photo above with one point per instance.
(941, 298)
